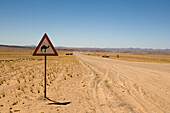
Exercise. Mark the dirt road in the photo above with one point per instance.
(122, 86)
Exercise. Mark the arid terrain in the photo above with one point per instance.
(82, 83)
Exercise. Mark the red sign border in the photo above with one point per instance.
(35, 52)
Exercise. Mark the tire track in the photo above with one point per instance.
(121, 88)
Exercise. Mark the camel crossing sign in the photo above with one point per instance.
(45, 48)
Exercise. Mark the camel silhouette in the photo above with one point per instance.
(44, 47)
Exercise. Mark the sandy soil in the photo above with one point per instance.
(86, 85)
(122, 86)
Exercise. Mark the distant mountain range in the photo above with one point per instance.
(85, 48)
(139, 49)
(16, 46)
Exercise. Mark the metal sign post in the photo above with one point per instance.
(45, 48)
(45, 80)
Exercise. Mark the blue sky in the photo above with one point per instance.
(87, 23)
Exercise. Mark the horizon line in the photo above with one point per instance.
(132, 48)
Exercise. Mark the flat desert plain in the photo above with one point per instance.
(81, 84)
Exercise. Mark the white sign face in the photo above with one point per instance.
(45, 48)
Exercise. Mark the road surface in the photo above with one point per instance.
(123, 86)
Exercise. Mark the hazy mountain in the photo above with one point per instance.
(87, 48)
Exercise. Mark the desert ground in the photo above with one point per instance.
(82, 84)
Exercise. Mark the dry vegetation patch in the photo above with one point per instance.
(22, 76)
(155, 57)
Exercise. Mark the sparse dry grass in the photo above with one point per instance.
(22, 75)
(3, 92)
(2, 80)
(139, 57)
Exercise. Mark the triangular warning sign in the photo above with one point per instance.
(45, 48)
